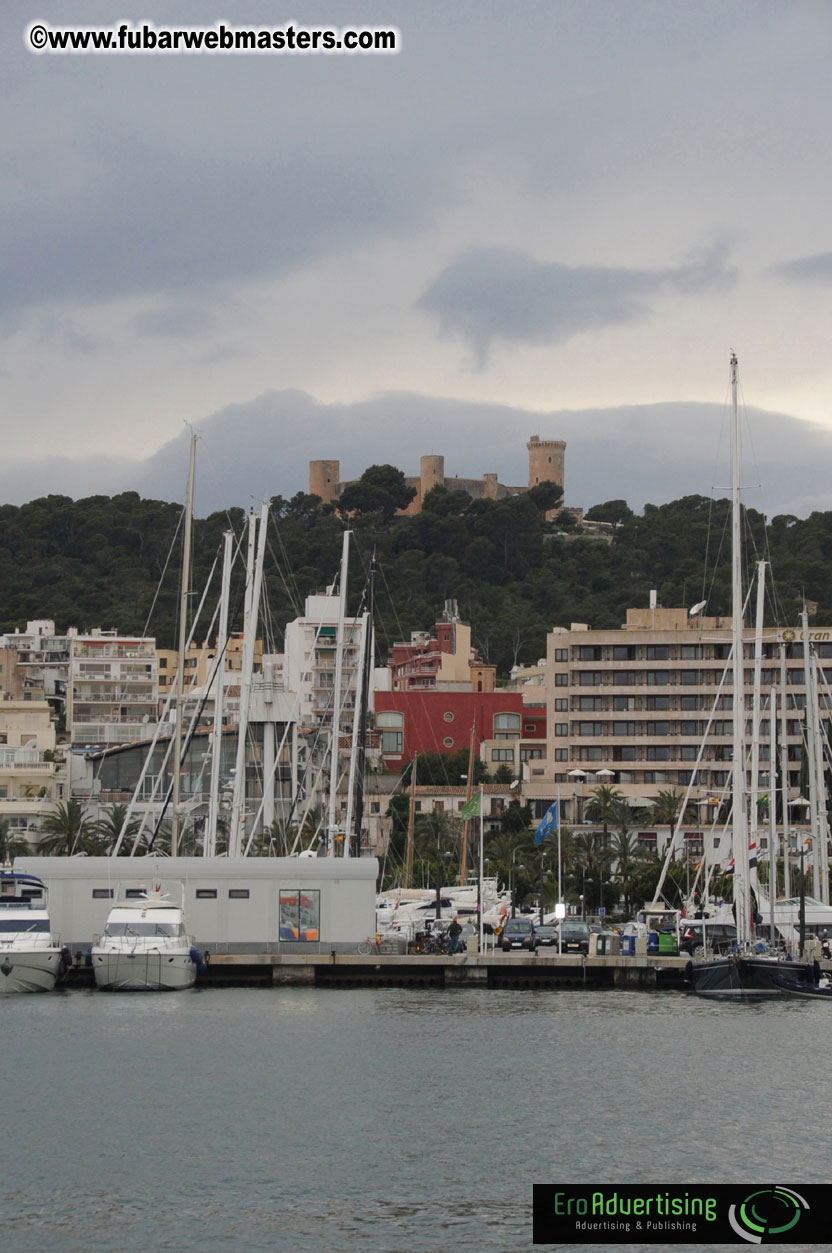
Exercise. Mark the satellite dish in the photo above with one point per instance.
(697, 608)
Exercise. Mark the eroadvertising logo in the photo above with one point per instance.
(666, 1214)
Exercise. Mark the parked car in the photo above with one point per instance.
(575, 937)
(546, 935)
(518, 933)
(721, 936)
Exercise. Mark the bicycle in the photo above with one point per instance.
(372, 944)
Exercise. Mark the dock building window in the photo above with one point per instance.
(300, 915)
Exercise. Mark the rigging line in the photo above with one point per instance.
(179, 525)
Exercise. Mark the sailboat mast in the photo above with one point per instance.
(468, 793)
(210, 844)
(335, 723)
(740, 829)
(411, 817)
(366, 670)
(183, 641)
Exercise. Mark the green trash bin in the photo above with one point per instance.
(667, 943)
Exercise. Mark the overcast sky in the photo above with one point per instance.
(533, 209)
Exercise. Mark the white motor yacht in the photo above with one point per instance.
(31, 956)
(145, 947)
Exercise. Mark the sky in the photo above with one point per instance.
(534, 218)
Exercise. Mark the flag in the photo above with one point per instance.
(548, 823)
(729, 869)
(471, 808)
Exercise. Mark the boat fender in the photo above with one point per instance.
(196, 958)
(88, 957)
(816, 971)
(64, 962)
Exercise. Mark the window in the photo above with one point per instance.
(531, 754)
(592, 754)
(621, 753)
(448, 741)
(690, 678)
(658, 752)
(238, 894)
(507, 722)
(658, 728)
(657, 678)
(690, 652)
(590, 678)
(561, 654)
(206, 894)
(300, 915)
(623, 652)
(502, 754)
(135, 894)
(561, 728)
(392, 742)
(561, 705)
(529, 727)
(561, 680)
(624, 703)
(389, 718)
(625, 728)
(102, 894)
(590, 728)
(448, 716)
(561, 754)
(590, 702)
(585, 652)
(658, 702)
(658, 652)
(688, 752)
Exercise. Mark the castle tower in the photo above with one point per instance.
(546, 461)
(324, 477)
(431, 474)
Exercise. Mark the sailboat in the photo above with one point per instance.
(744, 972)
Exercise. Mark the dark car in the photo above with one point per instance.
(518, 933)
(721, 937)
(575, 937)
(546, 935)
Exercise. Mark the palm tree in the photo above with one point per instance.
(68, 830)
(604, 806)
(666, 808)
(108, 829)
(11, 845)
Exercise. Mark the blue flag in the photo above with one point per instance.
(548, 823)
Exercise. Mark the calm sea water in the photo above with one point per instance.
(387, 1120)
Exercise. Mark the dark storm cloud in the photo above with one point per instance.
(813, 269)
(490, 294)
(166, 221)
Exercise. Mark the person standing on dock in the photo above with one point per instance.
(455, 931)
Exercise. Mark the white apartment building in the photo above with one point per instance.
(309, 662)
(111, 688)
(630, 707)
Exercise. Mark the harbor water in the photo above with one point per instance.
(385, 1119)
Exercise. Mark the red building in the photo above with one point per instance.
(437, 721)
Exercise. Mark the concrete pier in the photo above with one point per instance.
(487, 970)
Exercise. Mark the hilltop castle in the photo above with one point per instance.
(546, 464)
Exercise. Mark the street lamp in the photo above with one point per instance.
(801, 849)
(542, 883)
(513, 882)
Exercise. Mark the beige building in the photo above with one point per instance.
(630, 707)
(546, 464)
(30, 777)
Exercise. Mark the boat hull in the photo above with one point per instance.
(32, 971)
(738, 975)
(143, 972)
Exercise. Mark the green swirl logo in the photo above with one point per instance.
(771, 1212)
